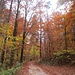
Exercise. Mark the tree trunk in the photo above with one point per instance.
(10, 11)
(49, 49)
(65, 39)
(16, 21)
(40, 45)
(1, 5)
(24, 35)
(14, 34)
(74, 37)
(21, 57)
(2, 56)
(3, 51)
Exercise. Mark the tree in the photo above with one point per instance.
(10, 10)
(72, 12)
(1, 5)
(16, 20)
(15, 33)
(26, 30)
(3, 20)
(5, 31)
(40, 4)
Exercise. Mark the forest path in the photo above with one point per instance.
(35, 70)
(32, 68)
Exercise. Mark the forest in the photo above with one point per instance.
(31, 31)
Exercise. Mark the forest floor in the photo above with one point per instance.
(33, 68)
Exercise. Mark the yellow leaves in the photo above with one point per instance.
(6, 30)
(1, 30)
(9, 43)
(34, 52)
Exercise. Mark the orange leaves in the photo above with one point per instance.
(20, 26)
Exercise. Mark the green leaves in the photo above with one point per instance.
(34, 53)
(64, 57)
(11, 71)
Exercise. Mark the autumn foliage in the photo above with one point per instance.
(27, 33)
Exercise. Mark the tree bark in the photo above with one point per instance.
(74, 37)
(1, 6)
(22, 49)
(14, 34)
(10, 11)
(3, 51)
(65, 40)
(24, 36)
(16, 20)
(40, 45)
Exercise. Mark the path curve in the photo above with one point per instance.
(32, 68)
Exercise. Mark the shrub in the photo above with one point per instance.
(11, 71)
(63, 57)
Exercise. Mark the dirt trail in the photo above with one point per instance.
(32, 68)
(35, 70)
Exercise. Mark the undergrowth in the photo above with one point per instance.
(63, 57)
(9, 71)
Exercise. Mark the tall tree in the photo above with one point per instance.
(3, 20)
(10, 10)
(15, 32)
(40, 26)
(24, 34)
(1, 5)
(26, 29)
(72, 11)
(16, 19)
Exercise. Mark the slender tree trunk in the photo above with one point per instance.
(24, 36)
(14, 34)
(65, 39)
(10, 11)
(49, 48)
(16, 20)
(3, 51)
(1, 5)
(2, 55)
(1, 1)
(40, 44)
(74, 37)
(40, 27)
(45, 47)
(23, 43)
